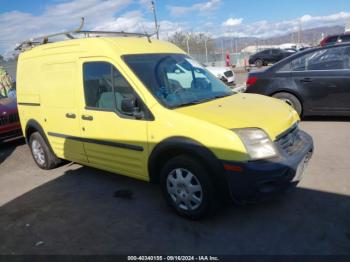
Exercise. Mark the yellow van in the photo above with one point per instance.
(143, 108)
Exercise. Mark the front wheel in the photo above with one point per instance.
(187, 187)
(291, 100)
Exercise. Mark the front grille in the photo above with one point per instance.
(13, 118)
(290, 142)
(228, 73)
(9, 119)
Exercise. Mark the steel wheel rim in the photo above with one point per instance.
(184, 189)
(38, 152)
(288, 101)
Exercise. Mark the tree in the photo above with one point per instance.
(195, 42)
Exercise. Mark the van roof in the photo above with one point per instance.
(102, 45)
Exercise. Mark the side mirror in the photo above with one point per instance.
(130, 108)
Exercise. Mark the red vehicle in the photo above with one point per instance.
(9, 120)
(333, 39)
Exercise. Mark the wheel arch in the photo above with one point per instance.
(175, 146)
(292, 92)
(33, 126)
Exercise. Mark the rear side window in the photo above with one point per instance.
(329, 59)
(326, 59)
(332, 39)
(105, 88)
(345, 38)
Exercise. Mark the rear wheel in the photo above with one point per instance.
(41, 152)
(187, 187)
(291, 100)
(259, 63)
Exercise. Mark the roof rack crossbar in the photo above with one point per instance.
(114, 33)
(70, 35)
(44, 39)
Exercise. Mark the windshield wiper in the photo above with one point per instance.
(196, 102)
(213, 98)
(225, 95)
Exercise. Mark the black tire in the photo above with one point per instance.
(259, 63)
(50, 160)
(291, 100)
(201, 175)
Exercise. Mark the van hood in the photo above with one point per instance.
(245, 110)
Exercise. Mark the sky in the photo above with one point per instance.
(23, 19)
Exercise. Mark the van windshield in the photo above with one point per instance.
(176, 80)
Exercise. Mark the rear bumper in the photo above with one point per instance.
(260, 180)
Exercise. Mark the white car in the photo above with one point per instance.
(225, 74)
(184, 77)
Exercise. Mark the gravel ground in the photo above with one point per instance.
(73, 210)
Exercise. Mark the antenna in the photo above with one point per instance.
(144, 30)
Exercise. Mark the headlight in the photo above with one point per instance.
(257, 143)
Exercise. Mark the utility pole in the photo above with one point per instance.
(299, 33)
(236, 45)
(222, 50)
(188, 43)
(232, 45)
(155, 18)
(347, 27)
(206, 49)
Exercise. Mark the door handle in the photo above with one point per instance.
(306, 80)
(87, 118)
(71, 115)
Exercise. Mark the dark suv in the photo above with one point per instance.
(333, 39)
(268, 56)
(313, 82)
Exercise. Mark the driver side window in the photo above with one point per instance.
(105, 88)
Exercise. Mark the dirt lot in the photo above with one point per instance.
(73, 210)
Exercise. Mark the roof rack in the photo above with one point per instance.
(41, 40)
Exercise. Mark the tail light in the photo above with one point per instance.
(251, 80)
(324, 41)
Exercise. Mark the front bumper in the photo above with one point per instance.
(260, 180)
(10, 131)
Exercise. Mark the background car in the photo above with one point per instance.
(9, 121)
(225, 74)
(333, 39)
(313, 82)
(268, 56)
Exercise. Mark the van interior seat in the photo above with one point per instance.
(201, 84)
(106, 100)
(91, 92)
